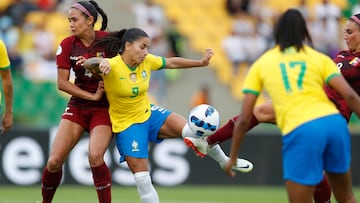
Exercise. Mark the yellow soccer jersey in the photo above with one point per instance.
(294, 82)
(126, 90)
(4, 59)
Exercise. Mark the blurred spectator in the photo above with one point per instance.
(10, 36)
(148, 10)
(233, 6)
(259, 8)
(327, 9)
(19, 9)
(264, 28)
(327, 20)
(47, 5)
(39, 58)
(254, 44)
(175, 39)
(327, 44)
(304, 9)
(158, 82)
(6, 23)
(242, 23)
(43, 41)
(202, 96)
(234, 50)
(152, 28)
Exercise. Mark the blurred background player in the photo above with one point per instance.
(7, 85)
(87, 109)
(201, 96)
(319, 136)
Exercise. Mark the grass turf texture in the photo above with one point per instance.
(179, 194)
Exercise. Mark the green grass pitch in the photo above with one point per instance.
(178, 194)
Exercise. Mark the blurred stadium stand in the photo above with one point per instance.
(207, 22)
(204, 23)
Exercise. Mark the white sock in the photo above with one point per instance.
(145, 187)
(186, 132)
(218, 155)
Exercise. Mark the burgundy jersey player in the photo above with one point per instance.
(73, 48)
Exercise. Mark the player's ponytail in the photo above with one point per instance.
(112, 44)
(104, 17)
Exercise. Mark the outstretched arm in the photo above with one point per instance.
(179, 62)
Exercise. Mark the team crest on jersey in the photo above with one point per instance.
(100, 54)
(355, 61)
(143, 74)
(59, 50)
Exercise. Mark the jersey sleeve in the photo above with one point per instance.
(4, 58)
(252, 83)
(330, 70)
(157, 62)
(63, 54)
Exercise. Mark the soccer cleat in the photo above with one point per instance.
(243, 165)
(199, 145)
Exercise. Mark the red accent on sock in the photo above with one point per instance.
(322, 192)
(102, 181)
(226, 131)
(49, 184)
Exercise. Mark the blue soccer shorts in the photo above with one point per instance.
(316, 146)
(134, 141)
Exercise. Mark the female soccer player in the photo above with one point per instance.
(346, 60)
(314, 133)
(135, 121)
(7, 85)
(87, 109)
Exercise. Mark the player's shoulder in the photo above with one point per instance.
(345, 54)
(68, 40)
(100, 33)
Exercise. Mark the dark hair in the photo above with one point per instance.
(94, 9)
(356, 19)
(291, 30)
(114, 42)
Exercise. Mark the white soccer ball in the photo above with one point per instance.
(204, 120)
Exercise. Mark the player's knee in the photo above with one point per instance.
(54, 164)
(95, 158)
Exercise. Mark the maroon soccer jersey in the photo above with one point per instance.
(349, 64)
(67, 54)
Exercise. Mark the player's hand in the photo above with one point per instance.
(7, 122)
(207, 56)
(100, 91)
(80, 60)
(228, 167)
(104, 67)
